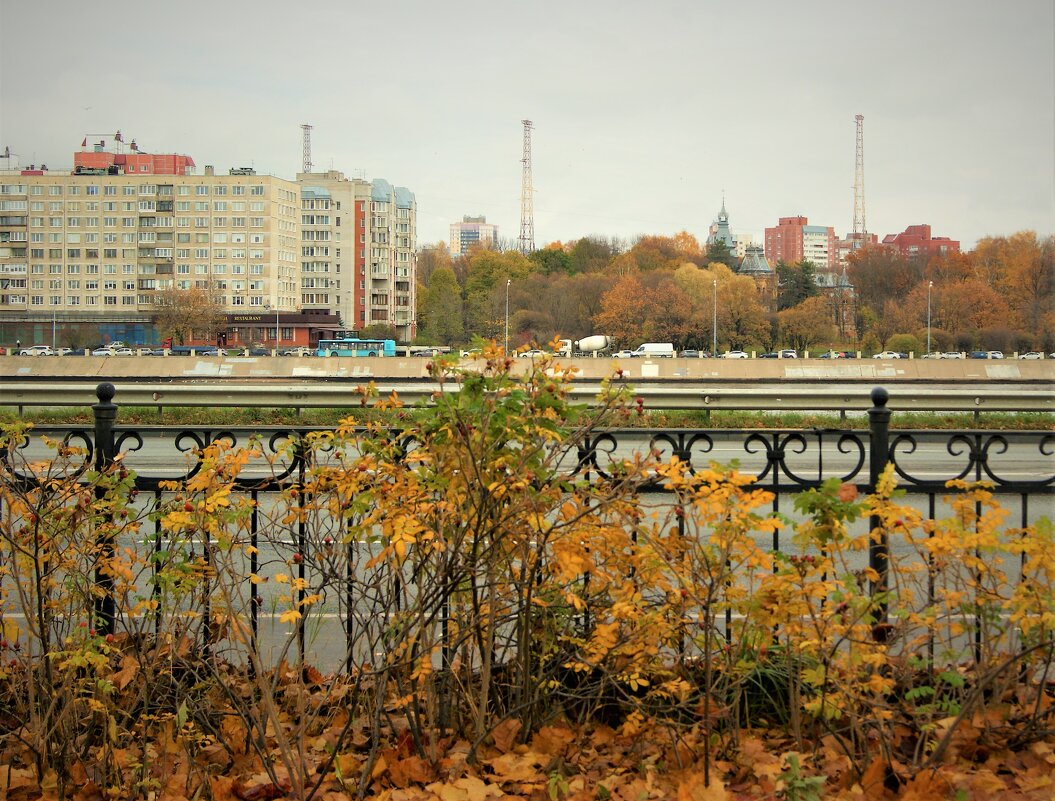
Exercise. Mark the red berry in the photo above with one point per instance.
(298, 558)
(109, 638)
(3, 644)
(188, 507)
(91, 632)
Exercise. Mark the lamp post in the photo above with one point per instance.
(505, 347)
(930, 285)
(714, 322)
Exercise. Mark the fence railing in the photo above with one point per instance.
(1016, 464)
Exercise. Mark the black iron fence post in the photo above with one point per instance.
(878, 457)
(105, 412)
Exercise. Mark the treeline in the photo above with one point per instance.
(998, 296)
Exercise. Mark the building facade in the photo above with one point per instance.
(94, 247)
(793, 240)
(472, 231)
(916, 241)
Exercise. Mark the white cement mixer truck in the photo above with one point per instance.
(595, 345)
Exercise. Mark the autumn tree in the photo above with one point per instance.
(441, 308)
(741, 319)
(430, 259)
(806, 324)
(592, 254)
(188, 314)
(642, 308)
(485, 287)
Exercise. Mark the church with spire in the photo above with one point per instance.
(719, 230)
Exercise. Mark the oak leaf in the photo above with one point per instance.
(692, 788)
(552, 740)
(412, 770)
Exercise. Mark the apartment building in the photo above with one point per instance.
(793, 239)
(472, 231)
(98, 247)
(93, 247)
(358, 253)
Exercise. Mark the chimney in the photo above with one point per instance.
(209, 170)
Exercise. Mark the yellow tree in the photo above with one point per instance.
(807, 324)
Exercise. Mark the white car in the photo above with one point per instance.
(37, 350)
(1031, 355)
(623, 354)
(996, 354)
(887, 354)
(103, 352)
(533, 353)
(952, 354)
(933, 355)
(123, 352)
(63, 351)
(734, 354)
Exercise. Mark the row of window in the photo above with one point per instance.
(131, 190)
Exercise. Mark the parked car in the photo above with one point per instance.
(933, 355)
(257, 351)
(887, 354)
(103, 352)
(734, 354)
(300, 350)
(952, 354)
(37, 350)
(689, 354)
(996, 354)
(623, 354)
(1031, 355)
(770, 355)
(789, 353)
(151, 351)
(832, 354)
(64, 351)
(124, 352)
(532, 353)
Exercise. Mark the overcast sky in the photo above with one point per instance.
(643, 111)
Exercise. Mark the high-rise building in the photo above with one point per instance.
(916, 240)
(793, 239)
(98, 244)
(358, 254)
(472, 231)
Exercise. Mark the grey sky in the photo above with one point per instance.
(644, 111)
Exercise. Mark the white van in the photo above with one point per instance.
(655, 350)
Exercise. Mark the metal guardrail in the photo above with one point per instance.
(657, 394)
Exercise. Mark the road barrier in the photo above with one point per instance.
(662, 394)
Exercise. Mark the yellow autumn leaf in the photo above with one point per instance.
(289, 616)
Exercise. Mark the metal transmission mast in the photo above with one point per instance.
(306, 164)
(527, 213)
(859, 183)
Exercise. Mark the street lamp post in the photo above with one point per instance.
(505, 347)
(714, 322)
(930, 285)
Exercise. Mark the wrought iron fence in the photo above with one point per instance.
(786, 463)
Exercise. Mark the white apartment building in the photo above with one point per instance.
(99, 246)
(358, 250)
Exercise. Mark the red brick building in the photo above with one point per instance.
(793, 240)
(916, 240)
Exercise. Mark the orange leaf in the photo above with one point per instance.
(552, 740)
(692, 788)
(505, 734)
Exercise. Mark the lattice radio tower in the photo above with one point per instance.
(859, 182)
(306, 163)
(527, 213)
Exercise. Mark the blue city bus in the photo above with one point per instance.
(350, 346)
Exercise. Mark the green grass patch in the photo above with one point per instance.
(286, 416)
